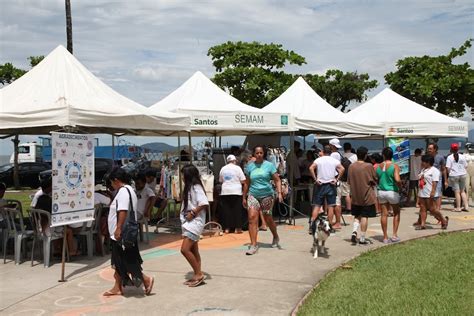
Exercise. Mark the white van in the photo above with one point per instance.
(29, 152)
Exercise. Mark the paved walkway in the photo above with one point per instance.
(269, 283)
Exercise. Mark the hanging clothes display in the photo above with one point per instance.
(208, 183)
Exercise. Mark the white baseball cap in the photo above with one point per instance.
(231, 158)
(335, 143)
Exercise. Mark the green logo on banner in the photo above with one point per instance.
(284, 120)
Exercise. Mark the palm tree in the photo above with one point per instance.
(68, 25)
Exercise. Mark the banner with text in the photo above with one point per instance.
(240, 121)
(73, 178)
(401, 153)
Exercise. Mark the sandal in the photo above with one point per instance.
(197, 282)
(110, 293)
(464, 209)
(395, 239)
(148, 290)
(445, 226)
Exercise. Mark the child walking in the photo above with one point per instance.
(428, 180)
(193, 217)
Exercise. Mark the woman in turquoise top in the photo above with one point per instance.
(258, 196)
(388, 174)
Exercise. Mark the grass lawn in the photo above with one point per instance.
(23, 196)
(433, 276)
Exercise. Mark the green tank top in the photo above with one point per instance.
(387, 178)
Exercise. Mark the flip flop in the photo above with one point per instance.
(148, 290)
(197, 282)
(187, 282)
(109, 293)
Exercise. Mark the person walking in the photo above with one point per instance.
(345, 187)
(362, 179)
(428, 194)
(415, 168)
(232, 178)
(325, 172)
(335, 146)
(456, 165)
(440, 164)
(388, 174)
(258, 196)
(126, 261)
(193, 218)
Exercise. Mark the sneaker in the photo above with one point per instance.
(364, 242)
(252, 250)
(354, 238)
(276, 242)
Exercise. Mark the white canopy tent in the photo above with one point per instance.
(60, 92)
(215, 112)
(312, 113)
(401, 117)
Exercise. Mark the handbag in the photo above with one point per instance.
(130, 227)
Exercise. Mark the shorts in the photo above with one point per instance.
(390, 197)
(324, 192)
(457, 183)
(439, 188)
(345, 189)
(363, 211)
(190, 235)
(265, 204)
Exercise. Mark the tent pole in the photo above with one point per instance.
(304, 142)
(220, 141)
(191, 154)
(113, 148)
(292, 149)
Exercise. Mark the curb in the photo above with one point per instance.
(294, 312)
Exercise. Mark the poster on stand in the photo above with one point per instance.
(401, 153)
(73, 178)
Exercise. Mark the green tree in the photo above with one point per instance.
(340, 88)
(252, 72)
(436, 82)
(9, 73)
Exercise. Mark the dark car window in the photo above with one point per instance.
(38, 167)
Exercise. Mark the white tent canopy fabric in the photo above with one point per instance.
(60, 92)
(313, 113)
(215, 112)
(401, 117)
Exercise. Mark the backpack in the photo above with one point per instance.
(345, 162)
(130, 227)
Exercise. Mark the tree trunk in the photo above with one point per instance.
(69, 25)
(16, 178)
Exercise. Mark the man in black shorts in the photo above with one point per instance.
(362, 180)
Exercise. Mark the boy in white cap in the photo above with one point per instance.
(335, 146)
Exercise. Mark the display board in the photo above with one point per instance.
(401, 153)
(73, 178)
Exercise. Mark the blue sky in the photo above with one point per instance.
(145, 49)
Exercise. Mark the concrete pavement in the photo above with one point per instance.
(271, 282)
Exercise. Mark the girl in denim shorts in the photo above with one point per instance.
(193, 217)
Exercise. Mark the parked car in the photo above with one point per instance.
(28, 173)
(102, 166)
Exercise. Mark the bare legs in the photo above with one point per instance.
(428, 204)
(190, 251)
(461, 196)
(264, 223)
(253, 215)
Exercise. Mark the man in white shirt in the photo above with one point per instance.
(145, 197)
(415, 169)
(325, 172)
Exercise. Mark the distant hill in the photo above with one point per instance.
(160, 147)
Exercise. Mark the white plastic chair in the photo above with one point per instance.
(90, 231)
(15, 229)
(45, 233)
